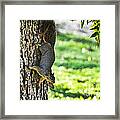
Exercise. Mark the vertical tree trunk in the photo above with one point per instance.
(32, 33)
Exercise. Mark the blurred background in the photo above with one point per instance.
(77, 63)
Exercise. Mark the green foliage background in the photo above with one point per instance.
(95, 27)
(76, 68)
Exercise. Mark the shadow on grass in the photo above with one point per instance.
(77, 65)
(71, 95)
(68, 37)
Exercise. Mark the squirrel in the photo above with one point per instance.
(46, 62)
(47, 57)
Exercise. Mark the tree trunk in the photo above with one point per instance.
(32, 34)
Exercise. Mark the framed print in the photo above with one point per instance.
(60, 59)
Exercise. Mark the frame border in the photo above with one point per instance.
(55, 2)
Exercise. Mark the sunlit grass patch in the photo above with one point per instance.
(76, 68)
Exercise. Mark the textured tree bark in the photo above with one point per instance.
(33, 35)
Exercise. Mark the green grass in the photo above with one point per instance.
(76, 68)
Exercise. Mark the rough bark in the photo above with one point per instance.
(33, 33)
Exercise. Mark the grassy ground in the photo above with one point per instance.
(76, 68)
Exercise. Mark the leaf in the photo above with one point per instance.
(96, 27)
(88, 21)
(82, 23)
(94, 34)
(97, 38)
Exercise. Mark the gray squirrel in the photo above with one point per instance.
(47, 59)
